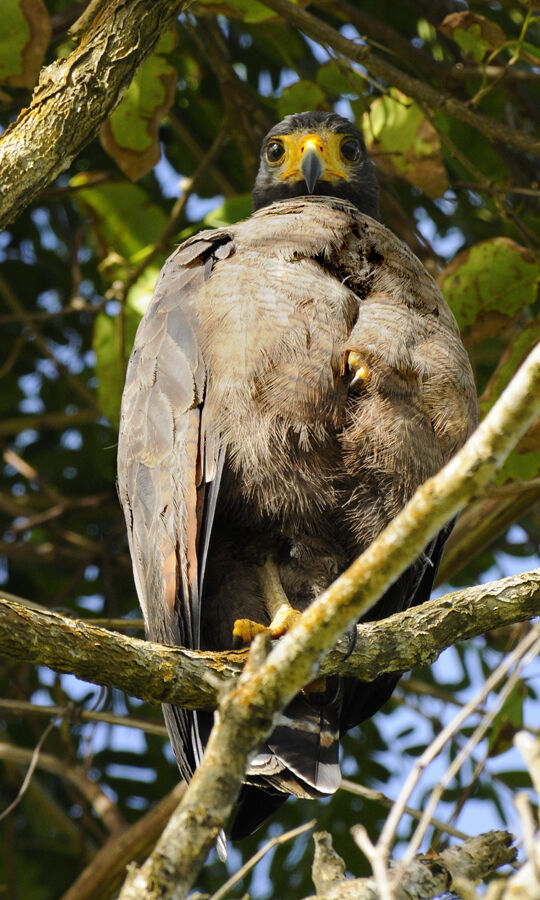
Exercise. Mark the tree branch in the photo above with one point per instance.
(106, 870)
(413, 87)
(75, 96)
(248, 710)
(423, 878)
(191, 678)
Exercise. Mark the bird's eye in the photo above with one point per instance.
(350, 149)
(274, 151)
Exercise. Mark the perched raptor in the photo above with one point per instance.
(295, 378)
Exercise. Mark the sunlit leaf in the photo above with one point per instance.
(404, 143)
(496, 275)
(130, 136)
(488, 287)
(123, 218)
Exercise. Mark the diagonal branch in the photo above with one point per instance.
(248, 710)
(75, 96)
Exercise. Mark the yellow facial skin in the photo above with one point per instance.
(325, 145)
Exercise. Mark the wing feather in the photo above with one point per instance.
(169, 467)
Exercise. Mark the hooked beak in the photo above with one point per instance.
(311, 169)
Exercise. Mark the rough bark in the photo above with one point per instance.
(191, 678)
(426, 877)
(75, 96)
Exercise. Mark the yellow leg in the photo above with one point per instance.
(282, 615)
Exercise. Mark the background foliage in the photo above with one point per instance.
(77, 269)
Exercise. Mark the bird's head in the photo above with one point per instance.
(317, 153)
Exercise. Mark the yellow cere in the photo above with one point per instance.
(327, 146)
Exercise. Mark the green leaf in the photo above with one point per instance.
(113, 340)
(405, 142)
(473, 33)
(520, 467)
(24, 38)
(475, 147)
(232, 210)
(495, 275)
(489, 286)
(337, 79)
(531, 50)
(507, 722)
(131, 135)
(300, 96)
(123, 218)
(471, 42)
(509, 363)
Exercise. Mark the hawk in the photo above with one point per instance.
(296, 377)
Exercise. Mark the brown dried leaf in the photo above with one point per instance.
(475, 34)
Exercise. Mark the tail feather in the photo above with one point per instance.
(301, 755)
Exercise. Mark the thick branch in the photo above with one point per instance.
(413, 87)
(425, 877)
(160, 674)
(107, 868)
(75, 96)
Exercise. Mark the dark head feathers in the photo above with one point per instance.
(293, 163)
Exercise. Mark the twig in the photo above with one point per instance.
(73, 714)
(517, 657)
(378, 797)
(77, 386)
(47, 420)
(103, 806)
(273, 842)
(185, 134)
(32, 757)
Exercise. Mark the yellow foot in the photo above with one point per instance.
(284, 619)
(244, 630)
(359, 368)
